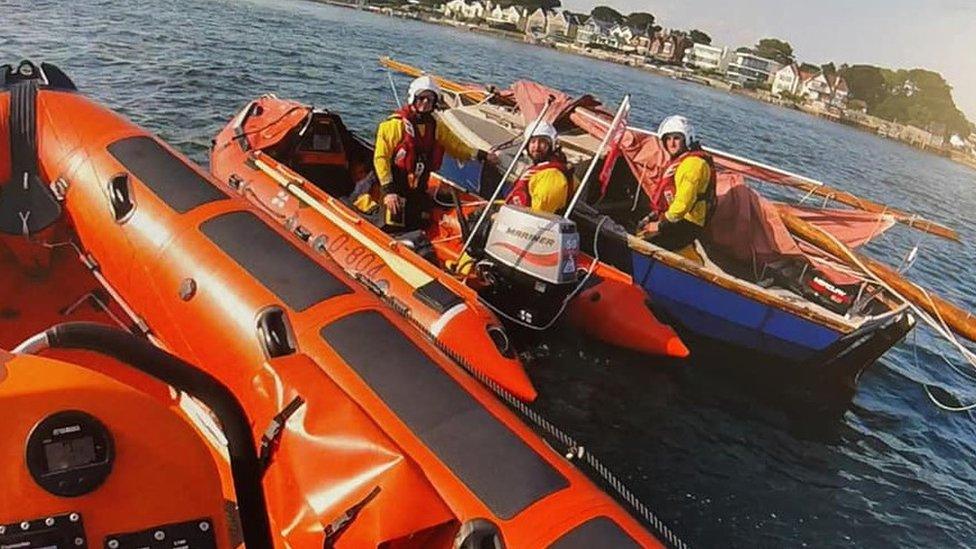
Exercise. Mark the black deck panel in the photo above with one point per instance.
(501, 470)
(176, 183)
(276, 263)
(596, 532)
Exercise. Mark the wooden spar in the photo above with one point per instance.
(960, 321)
(812, 187)
(815, 188)
(444, 83)
(730, 161)
(414, 276)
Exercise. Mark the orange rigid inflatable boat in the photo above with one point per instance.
(369, 435)
(446, 309)
(303, 167)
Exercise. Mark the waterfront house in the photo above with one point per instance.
(511, 18)
(908, 89)
(562, 25)
(641, 42)
(622, 34)
(827, 89)
(786, 80)
(669, 47)
(841, 92)
(573, 23)
(452, 9)
(707, 58)
(465, 10)
(593, 31)
(749, 69)
(791, 79)
(817, 88)
(537, 22)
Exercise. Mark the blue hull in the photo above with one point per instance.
(711, 311)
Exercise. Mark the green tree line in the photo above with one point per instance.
(918, 97)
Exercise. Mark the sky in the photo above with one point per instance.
(939, 35)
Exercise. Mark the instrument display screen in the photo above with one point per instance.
(69, 454)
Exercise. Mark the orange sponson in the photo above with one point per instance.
(389, 423)
(615, 311)
(243, 159)
(611, 308)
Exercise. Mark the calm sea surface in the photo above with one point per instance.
(721, 466)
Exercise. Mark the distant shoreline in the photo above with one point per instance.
(675, 74)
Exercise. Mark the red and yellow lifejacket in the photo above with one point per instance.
(665, 190)
(520, 195)
(418, 153)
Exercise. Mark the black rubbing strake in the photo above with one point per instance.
(501, 470)
(276, 263)
(175, 182)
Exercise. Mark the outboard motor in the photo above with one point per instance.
(532, 263)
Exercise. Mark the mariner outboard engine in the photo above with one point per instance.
(532, 263)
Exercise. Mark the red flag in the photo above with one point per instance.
(617, 132)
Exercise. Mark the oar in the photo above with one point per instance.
(445, 84)
(409, 272)
(960, 321)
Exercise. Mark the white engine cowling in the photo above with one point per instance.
(541, 245)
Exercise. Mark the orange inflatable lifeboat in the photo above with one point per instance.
(317, 143)
(359, 416)
(303, 167)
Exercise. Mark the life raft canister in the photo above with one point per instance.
(665, 190)
(520, 195)
(416, 155)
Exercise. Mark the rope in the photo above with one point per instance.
(928, 388)
(940, 327)
(806, 196)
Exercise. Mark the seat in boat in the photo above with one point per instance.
(320, 157)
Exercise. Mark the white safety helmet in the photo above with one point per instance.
(678, 124)
(422, 84)
(542, 129)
